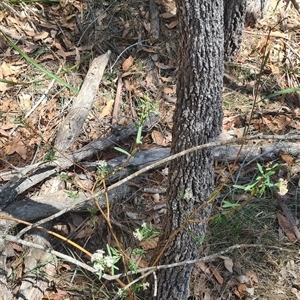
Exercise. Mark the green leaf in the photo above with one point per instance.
(228, 204)
(260, 168)
(139, 135)
(122, 151)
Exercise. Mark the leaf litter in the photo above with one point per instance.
(63, 37)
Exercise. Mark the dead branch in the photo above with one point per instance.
(79, 203)
(72, 124)
(48, 170)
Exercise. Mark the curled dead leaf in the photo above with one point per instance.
(228, 263)
(149, 243)
(127, 63)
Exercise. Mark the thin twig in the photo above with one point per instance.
(127, 48)
(204, 259)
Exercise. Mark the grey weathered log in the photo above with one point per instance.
(73, 122)
(41, 206)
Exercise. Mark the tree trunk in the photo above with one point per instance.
(236, 14)
(234, 18)
(197, 120)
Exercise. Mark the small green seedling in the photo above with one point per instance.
(50, 156)
(145, 232)
(73, 195)
(228, 204)
(262, 182)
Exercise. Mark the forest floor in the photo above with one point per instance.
(63, 37)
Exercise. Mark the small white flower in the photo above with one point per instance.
(109, 261)
(98, 255)
(137, 234)
(98, 266)
(145, 285)
(102, 163)
(282, 187)
(121, 292)
(144, 225)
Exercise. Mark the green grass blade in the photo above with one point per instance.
(42, 69)
(283, 92)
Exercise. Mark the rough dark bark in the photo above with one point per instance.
(236, 14)
(234, 18)
(197, 120)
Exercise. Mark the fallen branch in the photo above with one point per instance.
(72, 124)
(79, 203)
(65, 162)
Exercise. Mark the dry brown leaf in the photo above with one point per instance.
(238, 132)
(167, 15)
(25, 101)
(286, 226)
(140, 262)
(167, 79)
(252, 276)
(228, 263)
(76, 219)
(149, 50)
(277, 124)
(3, 85)
(149, 80)
(18, 147)
(106, 111)
(149, 243)
(203, 267)
(216, 273)
(286, 157)
(62, 228)
(173, 24)
(41, 36)
(168, 90)
(274, 69)
(241, 290)
(84, 233)
(58, 295)
(127, 63)
(126, 74)
(6, 70)
(157, 137)
(161, 139)
(3, 133)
